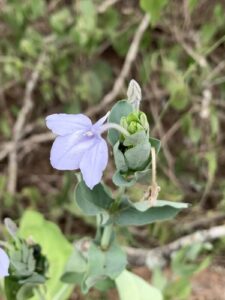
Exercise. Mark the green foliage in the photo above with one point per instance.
(103, 264)
(185, 263)
(97, 267)
(142, 213)
(93, 202)
(153, 8)
(54, 245)
(120, 109)
(123, 212)
(28, 266)
(85, 51)
(131, 286)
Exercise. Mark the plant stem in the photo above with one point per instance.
(119, 128)
(106, 236)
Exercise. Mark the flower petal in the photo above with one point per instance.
(101, 121)
(94, 162)
(67, 151)
(4, 264)
(63, 124)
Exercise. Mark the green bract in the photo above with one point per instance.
(131, 153)
(135, 122)
(28, 266)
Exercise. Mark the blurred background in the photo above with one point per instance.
(79, 56)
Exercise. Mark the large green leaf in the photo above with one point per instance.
(56, 248)
(142, 213)
(120, 109)
(130, 286)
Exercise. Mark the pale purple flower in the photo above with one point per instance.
(4, 264)
(79, 145)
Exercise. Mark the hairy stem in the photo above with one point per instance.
(106, 237)
(119, 128)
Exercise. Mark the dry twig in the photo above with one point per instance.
(105, 5)
(131, 56)
(20, 122)
(157, 256)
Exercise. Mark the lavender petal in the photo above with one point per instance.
(94, 162)
(4, 264)
(63, 124)
(67, 151)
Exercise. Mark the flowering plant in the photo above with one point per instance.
(81, 145)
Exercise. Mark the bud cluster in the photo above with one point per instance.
(135, 122)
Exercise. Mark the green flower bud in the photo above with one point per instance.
(144, 121)
(135, 122)
(134, 116)
(132, 128)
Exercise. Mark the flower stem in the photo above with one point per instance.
(106, 237)
(119, 128)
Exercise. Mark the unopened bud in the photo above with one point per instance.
(134, 94)
(134, 122)
(132, 128)
(144, 121)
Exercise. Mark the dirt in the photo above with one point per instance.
(209, 284)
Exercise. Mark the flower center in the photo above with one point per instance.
(89, 133)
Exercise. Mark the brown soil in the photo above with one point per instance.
(209, 284)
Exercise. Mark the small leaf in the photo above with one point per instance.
(120, 179)
(140, 214)
(119, 158)
(92, 202)
(137, 138)
(138, 157)
(11, 227)
(75, 268)
(103, 264)
(131, 286)
(12, 287)
(54, 245)
(120, 109)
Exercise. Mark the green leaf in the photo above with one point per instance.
(120, 179)
(135, 139)
(25, 292)
(175, 84)
(119, 158)
(153, 8)
(155, 143)
(131, 286)
(120, 109)
(140, 213)
(138, 156)
(56, 248)
(92, 202)
(12, 287)
(75, 268)
(103, 264)
(59, 20)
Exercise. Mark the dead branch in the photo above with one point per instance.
(130, 58)
(158, 256)
(20, 122)
(105, 5)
